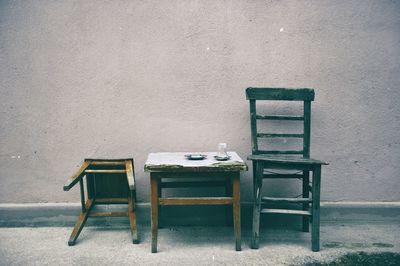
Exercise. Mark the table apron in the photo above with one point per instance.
(182, 174)
(196, 201)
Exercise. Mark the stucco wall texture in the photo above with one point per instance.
(125, 78)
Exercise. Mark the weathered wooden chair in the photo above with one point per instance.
(281, 160)
(107, 182)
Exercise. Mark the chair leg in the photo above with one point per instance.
(254, 176)
(257, 183)
(154, 211)
(80, 223)
(306, 194)
(316, 187)
(132, 219)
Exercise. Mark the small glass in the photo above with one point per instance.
(222, 153)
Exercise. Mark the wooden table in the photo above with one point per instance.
(167, 167)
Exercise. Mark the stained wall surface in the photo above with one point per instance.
(125, 78)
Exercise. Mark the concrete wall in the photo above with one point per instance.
(125, 78)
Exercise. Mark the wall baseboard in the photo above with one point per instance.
(65, 214)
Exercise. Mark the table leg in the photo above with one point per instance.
(228, 193)
(154, 211)
(236, 210)
(159, 189)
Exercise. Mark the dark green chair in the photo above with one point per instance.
(270, 163)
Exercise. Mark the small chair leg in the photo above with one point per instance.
(80, 223)
(306, 194)
(316, 187)
(132, 219)
(257, 205)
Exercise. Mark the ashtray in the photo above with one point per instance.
(219, 158)
(195, 156)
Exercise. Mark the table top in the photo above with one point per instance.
(177, 162)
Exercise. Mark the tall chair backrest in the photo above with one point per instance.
(281, 94)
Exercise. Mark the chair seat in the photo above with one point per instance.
(285, 159)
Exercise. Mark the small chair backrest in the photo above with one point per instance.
(107, 178)
(281, 94)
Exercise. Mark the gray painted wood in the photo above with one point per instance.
(285, 176)
(258, 182)
(286, 200)
(177, 162)
(306, 194)
(285, 159)
(284, 211)
(280, 135)
(292, 94)
(279, 152)
(154, 180)
(280, 117)
(307, 129)
(316, 186)
(253, 125)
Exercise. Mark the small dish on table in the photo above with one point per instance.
(222, 158)
(195, 156)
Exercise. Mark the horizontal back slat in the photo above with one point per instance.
(275, 135)
(300, 94)
(280, 117)
(284, 176)
(280, 152)
(286, 200)
(283, 211)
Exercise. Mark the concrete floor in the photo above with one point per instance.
(184, 245)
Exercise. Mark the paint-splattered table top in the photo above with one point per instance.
(177, 162)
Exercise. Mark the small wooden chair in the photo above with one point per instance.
(107, 182)
(266, 160)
